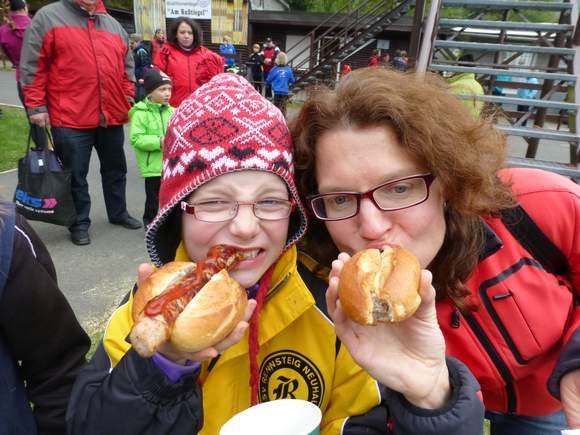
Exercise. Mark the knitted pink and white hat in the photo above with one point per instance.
(224, 126)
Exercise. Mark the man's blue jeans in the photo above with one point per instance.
(74, 147)
(507, 424)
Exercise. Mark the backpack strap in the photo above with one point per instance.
(317, 287)
(531, 237)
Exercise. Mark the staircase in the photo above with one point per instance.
(340, 36)
(507, 54)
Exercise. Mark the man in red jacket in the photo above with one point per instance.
(77, 76)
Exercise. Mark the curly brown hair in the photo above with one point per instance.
(462, 152)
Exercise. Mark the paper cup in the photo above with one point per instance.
(571, 432)
(280, 417)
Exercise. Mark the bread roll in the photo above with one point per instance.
(197, 323)
(380, 285)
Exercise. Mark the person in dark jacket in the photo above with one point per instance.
(186, 61)
(42, 345)
(399, 61)
(238, 190)
(77, 77)
(141, 56)
(393, 158)
(142, 59)
(255, 66)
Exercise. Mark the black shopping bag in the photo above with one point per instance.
(43, 192)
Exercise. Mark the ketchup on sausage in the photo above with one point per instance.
(219, 257)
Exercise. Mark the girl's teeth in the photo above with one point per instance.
(251, 254)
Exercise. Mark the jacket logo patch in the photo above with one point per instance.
(290, 375)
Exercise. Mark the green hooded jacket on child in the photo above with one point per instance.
(148, 125)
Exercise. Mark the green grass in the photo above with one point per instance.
(14, 133)
(96, 338)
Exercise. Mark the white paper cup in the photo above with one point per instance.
(277, 417)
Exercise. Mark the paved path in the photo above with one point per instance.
(95, 277)
(8, 92)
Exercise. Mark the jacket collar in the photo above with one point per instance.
(193, 49)
(99, 10)
(288, 298)
(492, 243)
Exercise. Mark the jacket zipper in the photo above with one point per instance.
(161, 118)
(214, 361)
(162, 129)
(90, 26)
(499, 363)
(189, 73)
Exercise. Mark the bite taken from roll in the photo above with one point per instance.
(191, 305)
(380, 286)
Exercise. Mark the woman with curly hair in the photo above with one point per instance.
(391, 158)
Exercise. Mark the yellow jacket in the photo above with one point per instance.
(297, 359)
(465, 83)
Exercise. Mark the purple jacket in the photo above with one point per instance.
(11, 40)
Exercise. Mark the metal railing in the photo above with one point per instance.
(329, 42)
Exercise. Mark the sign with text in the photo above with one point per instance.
(196, 9)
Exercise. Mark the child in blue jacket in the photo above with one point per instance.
(228, 52)
(280, 78)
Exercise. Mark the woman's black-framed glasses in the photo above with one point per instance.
(225, 210)
(394, 195)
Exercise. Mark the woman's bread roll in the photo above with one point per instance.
(380, 285)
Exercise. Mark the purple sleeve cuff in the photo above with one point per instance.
(174, 371)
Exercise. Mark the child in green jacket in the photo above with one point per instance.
(149, 119)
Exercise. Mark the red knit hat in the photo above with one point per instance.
(224, 126)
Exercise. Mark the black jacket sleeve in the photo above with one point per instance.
(463, 415)
(41, 330)
(568, 361)
(135, 397)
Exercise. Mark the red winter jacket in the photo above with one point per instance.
(270, 53)
(188, 70)
(76, 67)
(526, 331)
